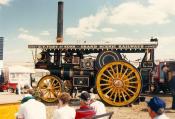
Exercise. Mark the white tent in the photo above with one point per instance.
(20, 69)
(19, 74)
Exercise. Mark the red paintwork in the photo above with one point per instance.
(8, 85)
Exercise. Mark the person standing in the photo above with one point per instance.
(64, 111)
(171, 81)
(172, 88)
(85, 111)
(156, 108)
(31, 109)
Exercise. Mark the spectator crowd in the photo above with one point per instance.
(89, 108)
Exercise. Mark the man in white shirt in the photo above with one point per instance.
(156, 108)
(32, 109)
(98, 106)
(64, 111)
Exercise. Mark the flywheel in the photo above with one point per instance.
(118, 83)
(49, 88)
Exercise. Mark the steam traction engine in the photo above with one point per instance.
(116, 80)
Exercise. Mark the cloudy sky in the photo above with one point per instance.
(24, 22)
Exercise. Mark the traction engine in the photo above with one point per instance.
(115, 79)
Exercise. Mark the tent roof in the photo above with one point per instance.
(20, 69)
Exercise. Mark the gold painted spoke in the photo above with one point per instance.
(106, 88)
(121, 68)
(44, 93)
(114, 89)
(56, 87)
(113, 71)
(133, 82)
(53, 81)
(106, 80)
(117, 71)
(106, 76)
(127, 93)
(129, 78)
(105, 84)
(54, 94)
(119, 96)
(115, 96)
(50, 95)
(123, 95)
(108, 91)
(110, 74)
(131, 91)
(131, 86)
(124, 74)
(129, 73)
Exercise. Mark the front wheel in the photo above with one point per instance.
(49, 88)
(118, 83)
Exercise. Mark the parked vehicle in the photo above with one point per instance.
(9, 87)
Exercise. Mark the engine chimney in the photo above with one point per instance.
(60, 23)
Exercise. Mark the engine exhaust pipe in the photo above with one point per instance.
(59, 37)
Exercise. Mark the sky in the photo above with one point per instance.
(24, 22)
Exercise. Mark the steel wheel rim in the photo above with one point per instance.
(49, 88)
(118, 83)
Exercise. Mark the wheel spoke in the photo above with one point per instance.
(53, 81)
(45, 92)
(114, 89)
(113, 71)
(105, 84)
(130, 78)
(106, 88)
(129, 73)
(108, 91)
(54, 94)
(106, 80)
(123, 96)
(49, 96)
(130, 91)
(133, 82)
(126, 93)
(130, 86)
(121, 68)
(56, 87)
(117, 71)
(115, 96)
(110, 74)
(106, 76)
(124, 74)
(119, 96)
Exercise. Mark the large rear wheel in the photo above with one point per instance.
(118, 83)
(49, 88)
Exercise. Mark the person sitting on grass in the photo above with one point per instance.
(156, 108)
